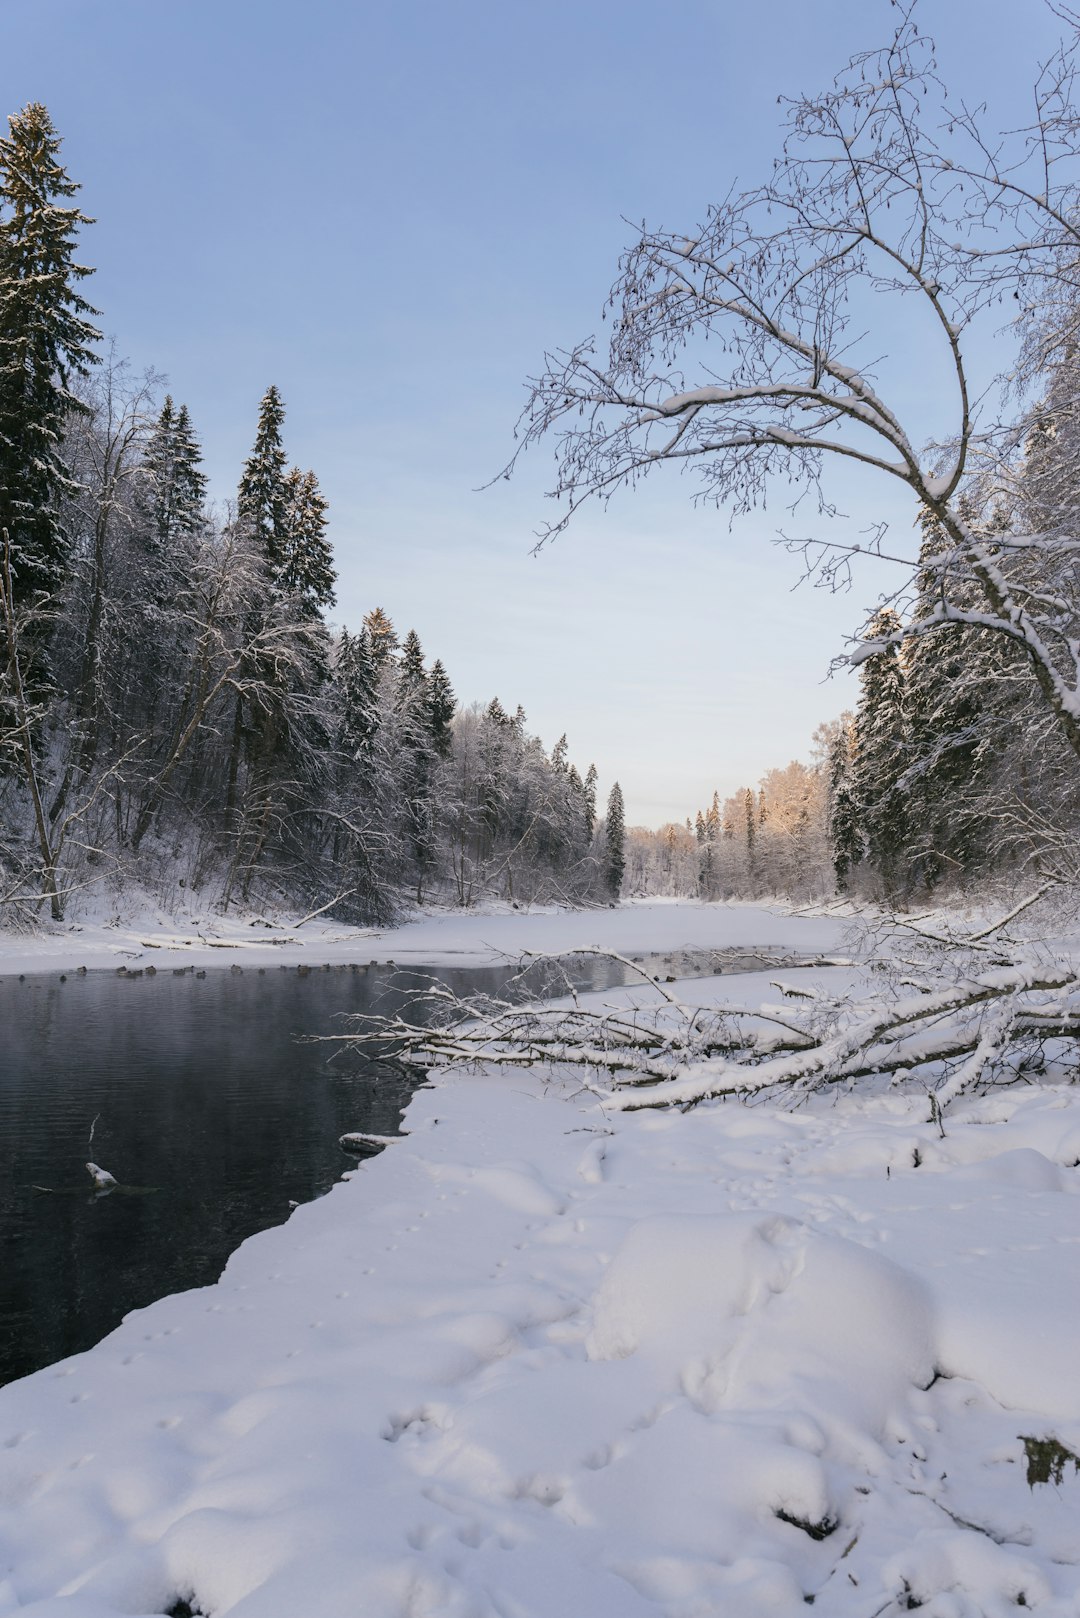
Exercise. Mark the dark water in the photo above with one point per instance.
(201, 1093)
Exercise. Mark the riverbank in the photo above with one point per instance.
(436, 937)
(539, 1360)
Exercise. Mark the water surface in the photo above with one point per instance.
(201, 1093)
(204, 1102)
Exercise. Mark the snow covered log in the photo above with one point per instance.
(949, 1026)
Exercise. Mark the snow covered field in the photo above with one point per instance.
(539, 1361)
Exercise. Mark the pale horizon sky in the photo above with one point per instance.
(390, 212)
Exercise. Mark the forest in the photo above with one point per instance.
(176, 712)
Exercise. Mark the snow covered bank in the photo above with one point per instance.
(533, 1362)
(448, 938)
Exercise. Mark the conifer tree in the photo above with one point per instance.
(155, 490)
(45, 336)
(306, 569)
(844, 830)
(382, 636)
(411, 666)
(882, 755)
(442, 705)
(560, 754)
(615, 839)
(417, 757)
(173, 490)
(358, 709)
(189, 481)
(590, 801)
(262, 501)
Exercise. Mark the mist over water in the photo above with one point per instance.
(205, 1103)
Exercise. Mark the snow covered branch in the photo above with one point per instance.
(674, 1054)
(748, 348)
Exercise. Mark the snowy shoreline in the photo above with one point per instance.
(435, 938)
(536, 1360)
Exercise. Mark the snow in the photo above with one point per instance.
(540, 1359)
(444, 938)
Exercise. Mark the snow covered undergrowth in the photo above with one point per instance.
(536, 1362)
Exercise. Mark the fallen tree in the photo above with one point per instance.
(948, 1019)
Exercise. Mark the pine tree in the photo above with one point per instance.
(615, 838)
(262, 502)
(45, 336)
(306, 569)
(442, 704)
(560, 754)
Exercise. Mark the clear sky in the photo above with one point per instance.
(390, 211)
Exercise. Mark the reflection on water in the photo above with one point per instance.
(205, 1104)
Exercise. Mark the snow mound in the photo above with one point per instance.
(767, 1313)
(975, 1576)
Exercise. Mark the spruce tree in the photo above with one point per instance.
(417, 757)
(306, 570)
(189, 481)
(172, 493)
(615, 839)
(45, 336)
(590, 800)
(442, 705)
(412, 671)
(154, 495)
(357, 702)
(844, 831)
(947, 675)
(262, 502)
(882, 754)
(382, 636)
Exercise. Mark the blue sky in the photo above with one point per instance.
(390, 212)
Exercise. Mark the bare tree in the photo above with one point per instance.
(749, 348)
(105, 447)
